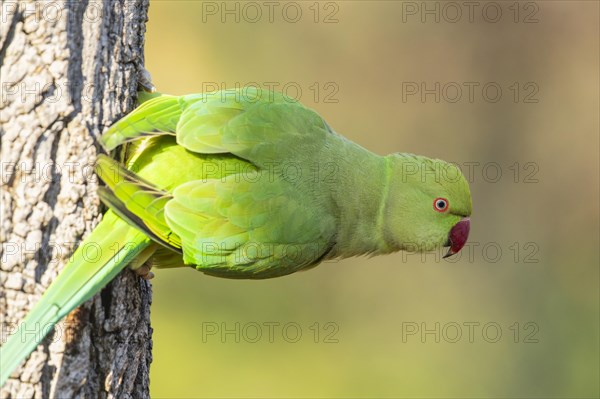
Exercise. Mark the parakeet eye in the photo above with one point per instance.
(440, 204)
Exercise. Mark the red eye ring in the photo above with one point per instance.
(440, 204)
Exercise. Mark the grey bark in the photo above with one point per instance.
(69, 69)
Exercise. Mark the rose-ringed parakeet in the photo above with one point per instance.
(249, 184)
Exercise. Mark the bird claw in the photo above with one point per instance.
(145, 81)
(144, 272)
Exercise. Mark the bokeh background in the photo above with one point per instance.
(530, 272)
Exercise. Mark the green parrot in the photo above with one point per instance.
(250, 184)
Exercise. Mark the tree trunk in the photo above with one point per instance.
(69, 69)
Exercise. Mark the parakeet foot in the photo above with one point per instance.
(145, 81)
(144, 272)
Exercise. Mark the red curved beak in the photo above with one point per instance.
(458, 236)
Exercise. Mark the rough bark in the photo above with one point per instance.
(68, 70)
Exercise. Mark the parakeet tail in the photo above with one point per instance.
(112, 245)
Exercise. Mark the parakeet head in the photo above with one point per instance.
(428, 204)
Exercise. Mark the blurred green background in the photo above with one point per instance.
(531, 269)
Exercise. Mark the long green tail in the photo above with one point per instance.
(112, 245)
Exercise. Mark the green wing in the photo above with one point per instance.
(239, 216)
(247, 226)
(257, 125)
